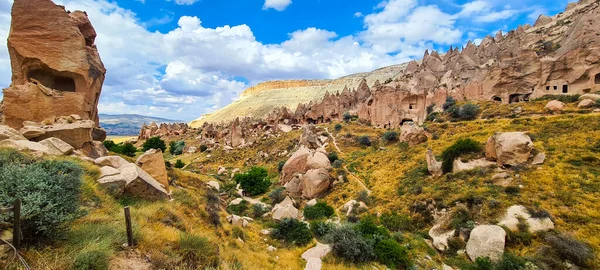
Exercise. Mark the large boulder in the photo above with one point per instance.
(112, 180)
(7, 132)
(306, 173)
(56, 68)
(433, 166)
(351, 206)
(285, 209)
(31, 132)
(554, 106)
(486, 241)
(24, 145)
(309, 137)
(113, 161)
(77, 134)
(440, 237)
(141, 184)
(412, 134)
(516, 213)
(314, 183)
(509, 148)
(586, 103)
(153, 163)
(57, 146)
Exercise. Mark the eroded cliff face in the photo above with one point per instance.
(56, 68)
(559, 55)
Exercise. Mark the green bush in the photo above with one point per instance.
(392, 254)
(347, 117)
(203, 148)
(369, 229)
(333, 156)
(364, 140)
(450, 102)
(320, 228)
(396, 222)
(197, 252)
(238, 209)
(292, 231)
(481, 263)
(258, 210)
(179, 164)
(430, 109)
(561, 98)
(91, 260)
(510, 262)
(390, 136)
(571, 249)
(468, 112)
(127, 149)
(255, 181)
(318, 211)
(277, 195)
(280, 166)
(337, 163)
(154, 143)
(338, 127)
(348, 244)
(176, 147)
(49, 191)
(461, 147)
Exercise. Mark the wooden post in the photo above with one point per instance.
(128, 226)
(17, 224)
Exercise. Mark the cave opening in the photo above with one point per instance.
(49, 79)
(406, 121)
(597, 79)
(565, 89)
(497, 98)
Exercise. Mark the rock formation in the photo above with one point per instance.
(509, 148)
(118, 176)
(56, 68)
(152, 130)
(516, 213)
(285, 209)
(153, 163)
(486, 241)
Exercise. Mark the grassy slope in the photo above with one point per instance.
(566, 185)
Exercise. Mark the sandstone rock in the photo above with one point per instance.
(440, 237)
(433, 166)
(312, 202)
(314, 183)
(221, 170)
(306, 173)
(459, 166)
(285, 209)
(94, 150)
(486, 241)
(554, 106)
(539, 159)
(56, 69)
(594, 97)
(214, 185)
(236, 220)
(98, 134)
(314, 255)
(24, 145)
(141, 184)
(509, 148)
(236, 201)
(153, 163)
(57, 146)
(112, 161)
(31, 132)
(7, 132)
(542, 20)
(112, 180)
(271, 248)
(516, 212)
(352, 206)
(502, 179)
(586, 103)
(309, 138)
(76, 134)
(412, 134)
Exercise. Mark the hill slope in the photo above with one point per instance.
(128, 124)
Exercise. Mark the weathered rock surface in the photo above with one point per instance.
(486, 241)
(137, 182)
(76, 134)
(306, 172)
(57, 146)
(214, 185)
(459, 166)
(509, 148)
(554, 105)
(25, 145)
(314, 255)
(7, 132)
(433, 166)
(412, 134)
(56, 69)
(539, 159)
(113, 161)
(153, 130)
(285, 209)
(153, 163)
(440, 237)
(236, 220)
(353, 205)
(516, 212)
(586, 103)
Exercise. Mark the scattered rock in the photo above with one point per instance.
(539, 159)
(285, 209)
(236, 201)
(412, 134)
(7, 132)
(271, 248)
(23, 145)
(502, 179)
(440, 237)
(221, 170)
(57, 146)
(433, 166)
(554, 106)
(516, 212)
(214, 185)
(352, 205)
(509, 148)
(486, 241)
(312, 202)
(460, 166)
(31, 132)
(112, 161)
(153, 163)
(236, 220)
(586, 103)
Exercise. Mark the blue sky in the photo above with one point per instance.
(179, 59)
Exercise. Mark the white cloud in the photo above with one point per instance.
(279, 5)
(358, 15)
(183, 2)
(496, 16)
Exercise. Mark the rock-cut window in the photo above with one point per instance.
(597, 79)
(48, 79)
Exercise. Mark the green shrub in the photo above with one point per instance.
(203, 148)
(461, 147)
(197, 252)
(512, 190)
(454, 111)
(369, 229)
(430, 109)
(347, 117)
(237, 232)
(481, 263)
(390, 253)
(49, 191)
(468, 112)
(255, 181)
(127, 149)
(258, 210)
(510, 262)
(154, 143)
(318, 211)
(179, 164)
(396, 222)
(454, 245)
(280, 166)
(338, 127)
(390, 136)
(450, 102)
(320, 228)
(333, 156)
(337, 163)
(238, 209)
(461, 218)
(109, 144)
(91, 260)
(364, 140)
(277, 195)
(561, 98)
(292, 231)
(348, 244)
(571, 249)
(176, 147)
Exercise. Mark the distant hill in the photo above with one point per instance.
(129, 124)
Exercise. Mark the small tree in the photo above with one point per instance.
(390, 136)
(292, 231)
(450, 101)
(348, 244)
(154, 143)
(347, 117)
(364, 140)
(203, 148)
(176, 147)
(333, 156)
(255, 181)
(338, 127)
(277, 195)
(318, 211)
(469, 111)
(128, 149)
(179, 164)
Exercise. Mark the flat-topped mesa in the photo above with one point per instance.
(56, 68)
(270, 85)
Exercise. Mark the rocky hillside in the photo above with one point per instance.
(128, 124)
(262, 99)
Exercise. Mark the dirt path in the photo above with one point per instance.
(348, 173)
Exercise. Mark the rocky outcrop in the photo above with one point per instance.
(285, 209)
(516, 213)
(586, 103)
(236, 220)
(56, 68)
(486, 241)
(353, 207)
(118, 176)
(7, 132)
(306, 173)
(153, 130)
(412, 134)
(554, 106)
(509, 148)
(153, 163)
(433, 166)
(440, 237)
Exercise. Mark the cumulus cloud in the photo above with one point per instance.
(279, 5)
(184, 2)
